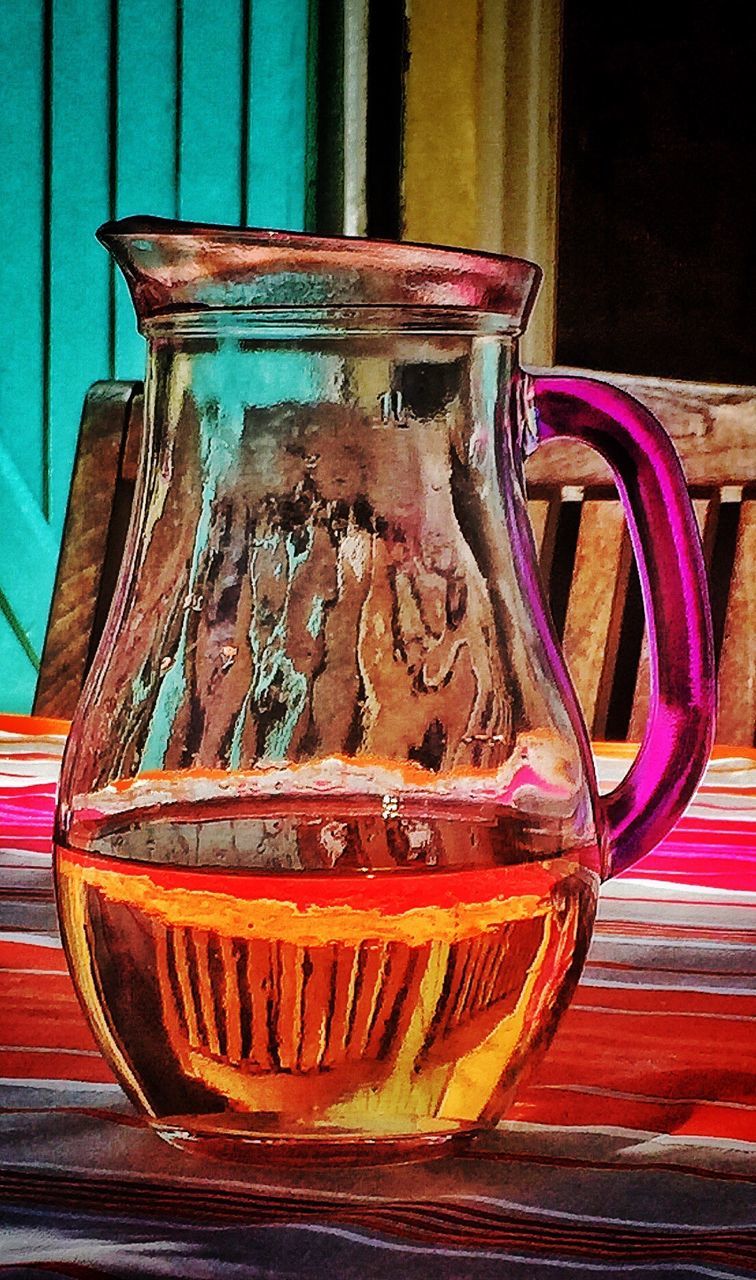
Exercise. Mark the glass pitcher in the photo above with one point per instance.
(328, 836)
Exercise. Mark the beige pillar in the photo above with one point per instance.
(481, 141)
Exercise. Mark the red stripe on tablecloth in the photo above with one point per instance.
(48, 1017)
(30, 756)
(695, 901)
(29, 844)
(672, 932)
(33, 726)
(707, 876)
(667, 1001)
(652, 1065)
(26, 789)
(24, 824)
(622, 968)
(15, 1064)
(27, 812)
(678, 1074)
(676, 1117)
(39, 1011)
(31, 955)
(713, 855)
(730, 827)
(16, 804)
(723, 789)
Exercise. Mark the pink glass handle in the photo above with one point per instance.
(680, 726)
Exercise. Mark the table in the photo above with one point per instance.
(631, 1151)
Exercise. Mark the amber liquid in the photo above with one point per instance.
(282, 983)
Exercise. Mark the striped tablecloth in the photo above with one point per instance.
(631, 1152)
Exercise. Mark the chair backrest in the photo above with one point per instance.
(99, 506)
(580, 531)
(586, 561)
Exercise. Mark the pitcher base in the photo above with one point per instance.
(274, 1140)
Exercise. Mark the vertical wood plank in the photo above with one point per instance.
(355, 116)
(706, 510)
(538, 511)
(492, 124)
(737, 668)
(22, 284)
(594, 609)
(333, 16)
(88, 131)
(145, 147)
(80, 295)
(440, 180)
(18, 672)
(481, 143)
(281, 115)
(529, 159)
(210, 127)
(544, 518)
(27, 564)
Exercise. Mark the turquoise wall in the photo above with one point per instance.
(111, 107)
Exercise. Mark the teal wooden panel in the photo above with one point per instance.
(282, 120)
(213, 65)
(28, 562)
(28, 554)
(146, 144)
(22, 288)
(80, 292)
(112, 107)
(18, 675)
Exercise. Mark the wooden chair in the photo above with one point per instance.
(580, 531)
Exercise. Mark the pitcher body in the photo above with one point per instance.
(328, 840)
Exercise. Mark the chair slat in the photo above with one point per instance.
(594, 609)
(737, 668)
(544, 517)
(706, 510)
(82, 564)
(713, 428)
(538, 511)
(133, 441)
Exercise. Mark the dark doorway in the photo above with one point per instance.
(657, 252)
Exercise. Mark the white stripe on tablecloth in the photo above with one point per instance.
(48, 1049)
(44, 973)
(50, 940)
(738, 984)
(630, 887)
(26, 858)
(59, 1086)
(649, 1136)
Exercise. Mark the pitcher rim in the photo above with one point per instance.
(172, 265)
